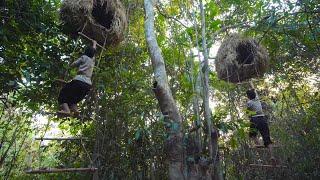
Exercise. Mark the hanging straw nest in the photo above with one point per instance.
(102, 20)
(240, 59)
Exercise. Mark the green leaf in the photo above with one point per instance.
(215, 25)
(137, 134)
(233, 142)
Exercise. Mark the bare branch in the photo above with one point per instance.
(170, 17)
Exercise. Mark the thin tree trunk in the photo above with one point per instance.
(197, 86)
(196, 110)
(212, 131)
(16, 154)
(164, 96)
(205, 70)
(193, 172)
(195, 102)
(13, 139)
(96, 162)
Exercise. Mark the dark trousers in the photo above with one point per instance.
(259, 123)
(73, 92)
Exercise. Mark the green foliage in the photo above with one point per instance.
(121, 117)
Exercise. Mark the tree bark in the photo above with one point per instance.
(198, 83)
(165, 99)
(205, 70)
(212, 131)
(195, 101)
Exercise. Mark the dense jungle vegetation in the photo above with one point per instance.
(127, 135)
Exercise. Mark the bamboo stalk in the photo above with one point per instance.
(263, 147)
(61, 138)
(56, 170)
(80, 33)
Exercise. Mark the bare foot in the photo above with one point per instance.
(76, 115)
(63, 114)
(75, 112)
(74, 109)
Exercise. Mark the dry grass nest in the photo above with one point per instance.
(102, 20)
(240, 59)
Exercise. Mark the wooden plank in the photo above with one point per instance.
(65, 116)
(56, 114)
(56, 170)
(263, 147)
(267, 165)
(61, 138)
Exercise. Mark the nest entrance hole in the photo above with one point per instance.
(245, 54)
(101, 15)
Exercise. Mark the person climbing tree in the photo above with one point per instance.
(258, 121)
(74, 91)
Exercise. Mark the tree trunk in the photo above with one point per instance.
(212, 131)
(195, 102)
(164, 96)
(205, 70)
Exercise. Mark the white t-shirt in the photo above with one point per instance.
(85, 66)
(255, 105)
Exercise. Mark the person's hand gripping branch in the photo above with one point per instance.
(94, 44)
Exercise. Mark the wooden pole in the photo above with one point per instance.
(55, 170)
(61, 138)
(251, 84)
(263, 147)
(80, 33)
(267, 166)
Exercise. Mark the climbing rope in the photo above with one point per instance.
(41, 141)
(50, 170)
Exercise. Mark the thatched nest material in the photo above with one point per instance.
(240, 59)
(101, 20)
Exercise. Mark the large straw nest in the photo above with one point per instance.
(240, 59)
(102, 20)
